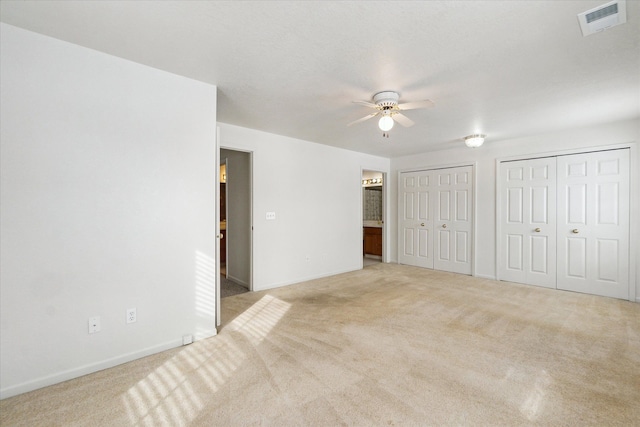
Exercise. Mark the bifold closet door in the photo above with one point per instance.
(593, 223)
(528, 221)
(416, 219)
(453, 201)
(435, 217)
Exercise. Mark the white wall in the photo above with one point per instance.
(626, 132)
(238, 233)
(315, 191)
(107, 200)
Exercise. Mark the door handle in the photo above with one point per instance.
(537, 230)
(575, 231)
(422, 224)
(444, 225)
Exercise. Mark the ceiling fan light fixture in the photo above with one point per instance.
(475, 140)
(385, 123)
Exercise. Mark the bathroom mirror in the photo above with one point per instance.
(372, 205)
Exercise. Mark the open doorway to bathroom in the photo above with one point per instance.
(372, 217)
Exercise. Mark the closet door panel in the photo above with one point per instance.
(462, 243)
(409, 246)
(416, 219)
(444, 247)
(539, 254)
(435, 219)
(453, 223)
(593, 225)
(424, 252)
(407, 217)
(527, 221)
(607, 271)
(515, 253)
(576, 258)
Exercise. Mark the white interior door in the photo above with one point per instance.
(453, 201)
(415, 246)
(593, 223)
(435, 219)
(528, 221)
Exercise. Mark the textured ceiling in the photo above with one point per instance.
(505, 68)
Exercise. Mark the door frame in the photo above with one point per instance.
(385, 214)
(222, 233)
(216, 197)
(474, 211)
(634, 208)
(217, 220)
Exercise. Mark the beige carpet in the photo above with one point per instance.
(388, 345)
(229, 288)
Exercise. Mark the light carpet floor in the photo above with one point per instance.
(387, 345)
(230, 288)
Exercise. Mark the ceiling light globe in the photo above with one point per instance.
(474, 141)
(386, 123)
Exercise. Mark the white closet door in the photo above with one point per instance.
(453, 201)
(415, 237)
(528, 221)
(593, 223)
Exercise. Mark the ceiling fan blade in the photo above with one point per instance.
(418, 104)
(403, 120)
(363, 119)
(366, 104)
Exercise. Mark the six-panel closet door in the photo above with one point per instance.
(528, 207)
(593, 223)
(416, 219)
(564, 222)
(452, 219)
(435, 218)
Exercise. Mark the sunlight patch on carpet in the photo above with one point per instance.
(167, 396)
(534, 403)
(257, 321)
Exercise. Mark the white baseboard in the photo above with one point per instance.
(204, 336)
(485, 276)
(90, 368)
(305, 279)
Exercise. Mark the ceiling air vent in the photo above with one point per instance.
(603, 17)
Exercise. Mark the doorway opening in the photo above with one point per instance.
(235, 237)
(372, 217)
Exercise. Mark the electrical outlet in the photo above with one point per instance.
(131, 315)
(94, 324)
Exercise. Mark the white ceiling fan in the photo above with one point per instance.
(386, 104)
